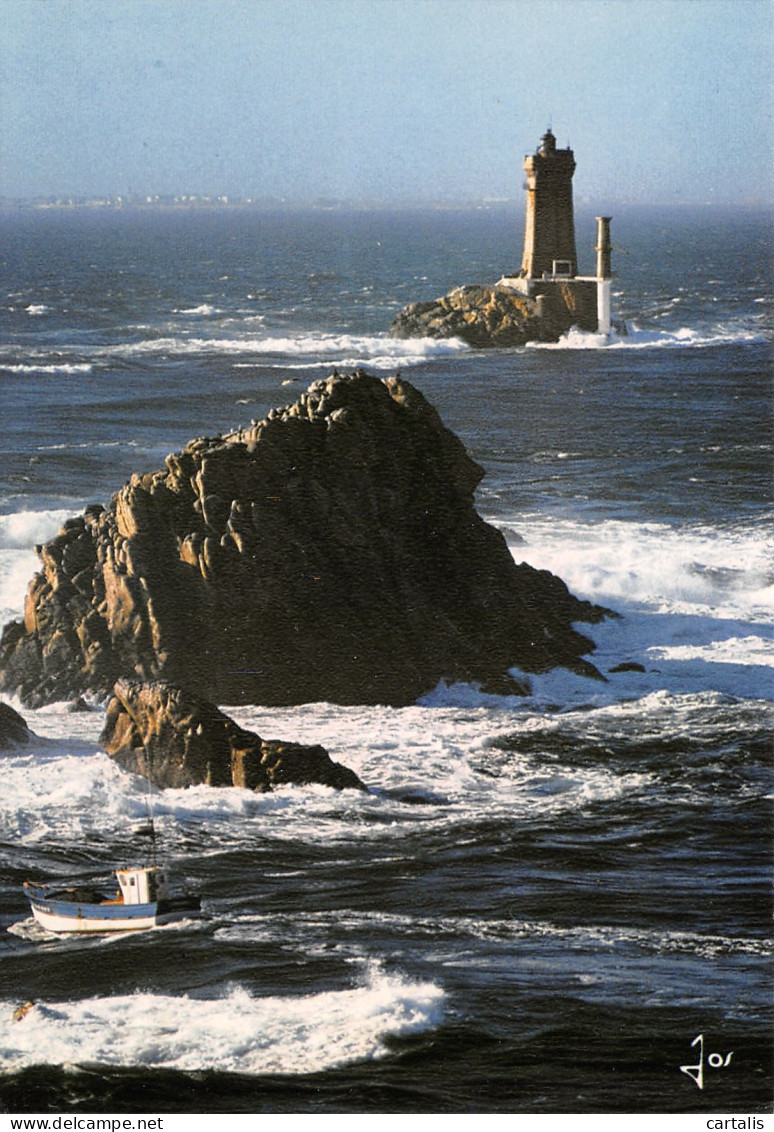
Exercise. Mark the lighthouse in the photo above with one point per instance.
(546, 298)
(549, 263)
(549, 228)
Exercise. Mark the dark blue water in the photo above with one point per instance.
(579, 886)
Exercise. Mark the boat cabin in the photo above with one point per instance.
(143, 885)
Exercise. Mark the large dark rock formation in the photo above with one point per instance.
(177, 739)
(486, 316)
(329, 552)
(13, 728)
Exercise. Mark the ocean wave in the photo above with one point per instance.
(639, 339)
(271, 927)
(389, 361)
(88, 445)
(696, 605)
(337, 349)
(53, 368)
(19, 533)
(37, 308)
(23, 529)
(16, 570)
(235, 1032)
(639, 665)
(724, 571)
(203, 309)
(756, 650)
(65, 788)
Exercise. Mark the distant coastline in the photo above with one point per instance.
(204, 203)
(185, 202)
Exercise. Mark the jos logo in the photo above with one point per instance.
(714, 1061)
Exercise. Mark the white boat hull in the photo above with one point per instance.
(76, 910)
(56, 922)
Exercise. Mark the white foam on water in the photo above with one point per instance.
(62, 787)
(611, 963)
(576, 339)
(431, 753)
(389, 361)
(73, 446)
(349, 922)
(725, 571)
(340, 349)
(696, 604)
(235, 1032)
(696, 611)
(36, 309)
(201, 309)
(16, 571)
(87, 792)
(21, 530)
(302, 350)
(639, 339)
(54, 368)
(19, 533)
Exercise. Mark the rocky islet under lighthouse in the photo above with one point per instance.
(547, 296)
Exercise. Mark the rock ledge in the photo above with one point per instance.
(14, 731)
(497, 316)
(177, 740)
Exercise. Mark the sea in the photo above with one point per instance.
(553, 903)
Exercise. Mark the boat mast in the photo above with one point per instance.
(149, 805)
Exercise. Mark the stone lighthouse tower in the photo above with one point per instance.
(547, 297)
(549, 230)
(549, 266)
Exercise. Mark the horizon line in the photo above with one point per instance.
(207, 201)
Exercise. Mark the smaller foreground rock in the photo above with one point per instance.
(177, 739)
(13, 729)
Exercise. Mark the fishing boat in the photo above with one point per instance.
(144, 899)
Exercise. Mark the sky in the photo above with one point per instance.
(663, 101)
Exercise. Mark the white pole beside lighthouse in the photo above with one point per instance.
(604, 285)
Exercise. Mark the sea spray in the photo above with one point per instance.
(236, 1031)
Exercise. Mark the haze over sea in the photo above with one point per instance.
(543, 901)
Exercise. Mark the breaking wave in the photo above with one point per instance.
(638, 339)
(202, 309)
(19, 532)
(235, 1032)
(23, 529)
(57, 368)
(341, 349)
